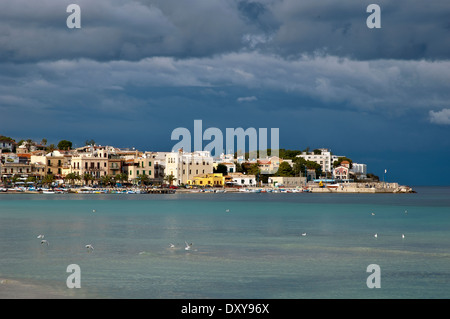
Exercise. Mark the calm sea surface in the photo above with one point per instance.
(244, 245)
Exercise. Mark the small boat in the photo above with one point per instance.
(333, 186)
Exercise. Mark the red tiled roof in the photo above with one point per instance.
(27, 155)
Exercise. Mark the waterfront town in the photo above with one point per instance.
(35, 167)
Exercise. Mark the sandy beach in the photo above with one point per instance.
(14, 289)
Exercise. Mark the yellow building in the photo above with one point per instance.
(213, 179)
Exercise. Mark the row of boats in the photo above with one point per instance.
(275, 190)
(33, 190)
(90, 190)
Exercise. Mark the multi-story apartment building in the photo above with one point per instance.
(20, 166)
(93, 161)
(159, 159)
(359, 169)
(185, 166)
(323, 157)
(7, 144)
(140, 165)
(55, 161)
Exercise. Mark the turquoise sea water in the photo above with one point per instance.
(244, 245)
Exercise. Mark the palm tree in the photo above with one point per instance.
(106, 180)
(121, 177)
(72, 177)
(170, 179)
(30, 143)
(143, 179)
(87, 177)
(14, 179)
(48, 179)
(51, 148)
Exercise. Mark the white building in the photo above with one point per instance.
(325, 159)
(6, 144)
(227, 160)
(185, 166)
(359, 169)
(243, 179)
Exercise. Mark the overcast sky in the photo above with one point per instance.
(136, 70)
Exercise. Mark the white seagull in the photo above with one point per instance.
(403, 235)
(44, 242)
(172, 245)
(40, 236)
(376, 235)
(89, 247)
(303, 234)
(373, 214)
(93, 210)
(188, 246)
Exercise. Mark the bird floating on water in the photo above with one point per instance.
(172, 245)
(403, 235)
(40, 236)
(94, 211)
(303, 234)
(376, 235)
(373, 214)
(227, 210)
(188, 246)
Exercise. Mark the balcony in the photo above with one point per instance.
(94, 169)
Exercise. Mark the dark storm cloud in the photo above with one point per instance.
(409, 29)
(133, 30)
(388, 87)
